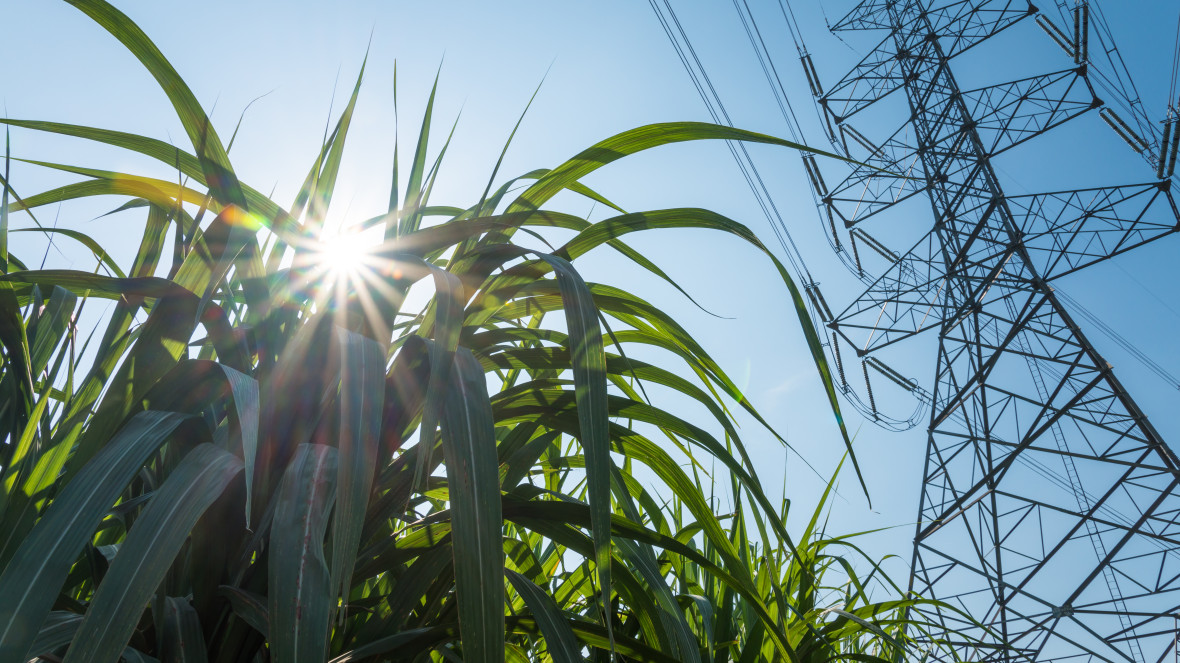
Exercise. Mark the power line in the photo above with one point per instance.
(716, 108)
(1119, 339)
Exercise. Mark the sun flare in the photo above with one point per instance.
(343, 253)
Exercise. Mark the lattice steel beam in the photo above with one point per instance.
(1050, 507)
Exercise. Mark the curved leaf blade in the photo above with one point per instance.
(219, 175)
(563, 644)
(473, 478)
(149, 550)
(361, 402)
(588, 360)
(300, 588)
(33, 578)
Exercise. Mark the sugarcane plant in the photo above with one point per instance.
(268, 453)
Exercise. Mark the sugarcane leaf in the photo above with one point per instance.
(149, 550)
(251, 608)
(589, 367)
(325, 183)
(473, 479)
(447, 325)
(57, 631)
(409, 641)
(219, 175)
(557, 520)
(86, 240)
(88, 283)
(181, 638)
(361, 402)
(4, 201)
(24, 456)
(559, 637)
(637, 140)
(169, 155)
(299, 601)
(34, 575)
(414, 189)
(52, 324)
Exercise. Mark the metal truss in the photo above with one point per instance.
(1049, 517)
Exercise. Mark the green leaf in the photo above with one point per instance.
(473, 478)
(52, 324)
(636, 140)
(16, 344)
(559, 637)
(85, 240)
(414, 190)
(34, 576)
(181, 638)
(589, 367)
(166, 153)
(448, 322)
(22, 461)
(325, 183)
(90, 284)
(219, 175)
(149, 550)
(300, 590)
(417, 640)
(251, 608)
(361, 401)
(4, 202)
(391, 229)
(244, 390)
(57, 631)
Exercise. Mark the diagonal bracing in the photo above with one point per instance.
(1050, 507)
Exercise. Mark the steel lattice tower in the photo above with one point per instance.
(1050, 507)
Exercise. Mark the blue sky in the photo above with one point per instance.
(610, 68)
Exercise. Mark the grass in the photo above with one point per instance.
(267, 454)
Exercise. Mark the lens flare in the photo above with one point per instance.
(343, 254)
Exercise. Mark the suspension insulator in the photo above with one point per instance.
(1123, 129)
(894, 376)
(873, 244)
(1175, 148)
(856, 254)
(817, 180)
(864, 366)
(859, 138)
(839, 362)
(1081, 26)
(817, 90)
(1165, 146)
(1056, 34)
(822, 302)
(832, 227)
(817, 300)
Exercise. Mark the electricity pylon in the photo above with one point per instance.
(1050, 507)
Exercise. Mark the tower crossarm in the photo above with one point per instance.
(977, 16)
(1005, 116)
(1066, 231)
(963, 25)
(904, 301)
(867, 15)
(1009, 114)
(884, 177)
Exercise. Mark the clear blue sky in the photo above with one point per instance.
(610, 68)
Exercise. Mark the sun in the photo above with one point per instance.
(344, 253)
(347, 270)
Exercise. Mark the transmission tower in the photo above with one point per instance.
(1050, 507)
